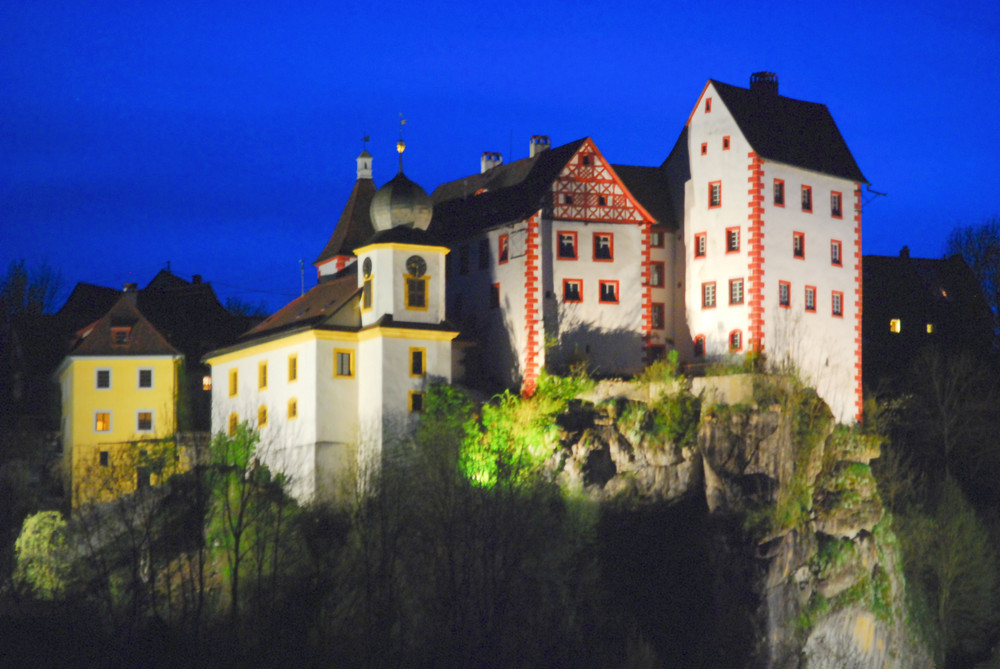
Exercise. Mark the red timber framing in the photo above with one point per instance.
(755, 288)
(532, 318)
(858, 389)
(588, 180)
(647, 294)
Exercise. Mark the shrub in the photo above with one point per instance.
(42, 560)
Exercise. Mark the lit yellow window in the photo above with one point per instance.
(416, 401)
(262, 416)
(416, 292)
(262, 375)
(343, 363)
(930, 328)
(895, 325)
(206, 382)
(418, 361)
(102, 421)
(293, 408)
(144, 421)
(293, 367)
(234, 421)
(234, 382)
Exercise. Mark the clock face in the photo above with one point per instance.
(416, 266)
(366, 268)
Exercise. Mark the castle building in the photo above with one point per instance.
(335, 376)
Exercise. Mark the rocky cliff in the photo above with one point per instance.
(797, 564)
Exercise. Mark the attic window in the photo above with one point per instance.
(725, 143)
(585, 160)
(119, 335)
(708, 105)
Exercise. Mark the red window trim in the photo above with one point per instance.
(715, 295)
(600, 289)
(503, 249)
(807, 189)
(725, 143)
(576, 245)
(663, 312)
(663, 274)
(802, 236)
(743, 292)
(728, 230)
(704, 148)
(611, 246)
(841, 295)
(784, 193)
(699, 339)
(710, 184)
(697, 236)
(788, 286)
(729, 341)
(579, 284)
(840, 253)
(841, 197)
(708, 105)
(805, 298)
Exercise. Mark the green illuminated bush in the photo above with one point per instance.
(42, 560)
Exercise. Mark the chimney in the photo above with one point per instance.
(196, 278)
(764, 83)
(131, 290)
(904, 252)
(538, 144)
(489, 160)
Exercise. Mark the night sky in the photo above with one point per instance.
(222, 137)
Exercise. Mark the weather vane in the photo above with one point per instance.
(364, 142)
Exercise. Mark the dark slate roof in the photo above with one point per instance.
(649, 186)
(789, 131)
(143, 338)
(511, 192)
(401, 235)
(355, 224)
(85, 304)
(315, 308)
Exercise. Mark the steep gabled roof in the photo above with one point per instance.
(649, 186)
(794, 132)
(355, 224)
(328, 303)
(506, 193)
(97, 339)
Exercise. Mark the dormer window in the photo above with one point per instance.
(120, 335)
(585, 159)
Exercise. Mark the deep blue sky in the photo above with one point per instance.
(222, 136)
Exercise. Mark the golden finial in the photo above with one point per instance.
(401, 145)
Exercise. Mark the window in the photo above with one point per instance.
(102, 421)
(837, 303)
(779, 193)
(572, 290)
(293, 367)
(601, 200)
(103, 380)
(799, 245)
(567, 199)
(416, 401)
(145, 378)
(714, 194)
(658, 316)
(584, 159)
(262, 375)
(416, 292)
(699, 346)
(366, 294)
(261, 416)
(234, 422)
(732, 240)
(567, 246)
(811, 299)
(736, 291)
(895, 325)
(102, 458)
(206, 382)
(495, 296)
(293, 408)
(503, 248)
(725, 143)
(609, 292)
(708, 105)
(784, 294)
(807, 199)
(144, 421)
(656, 239)
(704, 148)
(930, 328)
(119, 336)
(700, 244)
(343, 361)
(835, 253)
(708, 295)
(484, 254)
(418, 361)
(604, 246)
(234, 382)
(463, 260)
(656, 274)
(735, 341)
(835, 205)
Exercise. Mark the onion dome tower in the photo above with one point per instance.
(400, 202)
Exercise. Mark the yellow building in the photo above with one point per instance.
(119, 387)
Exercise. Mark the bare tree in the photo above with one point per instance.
(979, 246)
(29, 291)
